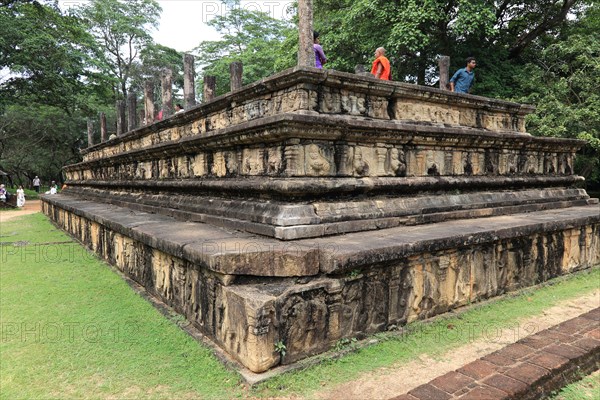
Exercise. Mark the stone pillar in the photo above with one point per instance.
(444, 64)
(210, 86)
(166, 80)
(90, 132)
(131, 111)
(235, 72)
(141, 115)
(306, 52)
(149, 102)
(189, 91)
(103, 132)
(121, 118)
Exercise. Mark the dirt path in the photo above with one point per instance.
(385, 383)
(31, 207)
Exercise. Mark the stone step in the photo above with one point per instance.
(289, 220)
(531, 368)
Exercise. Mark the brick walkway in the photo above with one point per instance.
(531, 368)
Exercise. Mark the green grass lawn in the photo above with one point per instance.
(586, 389)
(72, 328)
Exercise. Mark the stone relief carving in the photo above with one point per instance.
(273, 160)
(218, 165)
(549, 163)
(307, 328)
(381, 154)
(467, 163)
(331, 102)
(353, 104)
(397, 163)
(377, 107)
(317, 164)
(253, 161)
(360, 165)
(231, 163)
(293, 161)
(431, 164)
(198, 165)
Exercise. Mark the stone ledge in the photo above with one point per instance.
(300, 189)
(228, 252)
(289, 221)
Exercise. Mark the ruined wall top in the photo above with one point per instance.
(305, 89)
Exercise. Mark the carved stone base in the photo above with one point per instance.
(248, 293)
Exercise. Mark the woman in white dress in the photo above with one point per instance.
(20, 196)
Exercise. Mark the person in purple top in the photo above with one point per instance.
(320, 58)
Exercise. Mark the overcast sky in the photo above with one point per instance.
(183, 22)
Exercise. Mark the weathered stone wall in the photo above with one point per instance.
(310, 158)
(247, 317)
(310, 90)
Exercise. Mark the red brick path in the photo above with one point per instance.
(531, 368)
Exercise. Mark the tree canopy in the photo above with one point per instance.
(247, 35)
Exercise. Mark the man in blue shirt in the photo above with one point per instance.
(463, 79)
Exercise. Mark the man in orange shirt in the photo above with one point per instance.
(381, 66)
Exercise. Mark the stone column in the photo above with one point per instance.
(235, 72)
(149, 102)
(306, 52)
(210, 86)
(131, 111)
(90, 132)
(103, 132)
(121, 118)
(444, 64)
(167, 92)
(189, 91)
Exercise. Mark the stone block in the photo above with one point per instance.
(512, 387)
(528, 373)
(452, 382)
(484, 392)
(565, 350)
(515, 351)
(497, 359)
(429, 392)
(549, 361)
(479, 369)
(587, 344)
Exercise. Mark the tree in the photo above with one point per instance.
(45, 54)
(249, 36)
(38, 140)
(122, 29)
(563, 81)
(415, 33)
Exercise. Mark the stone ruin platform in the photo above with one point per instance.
(318, 205)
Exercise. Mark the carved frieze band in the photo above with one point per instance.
(311, 158)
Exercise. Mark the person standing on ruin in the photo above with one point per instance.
(36, 184)
(320, 58)
(462, 81)
(381, 66)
